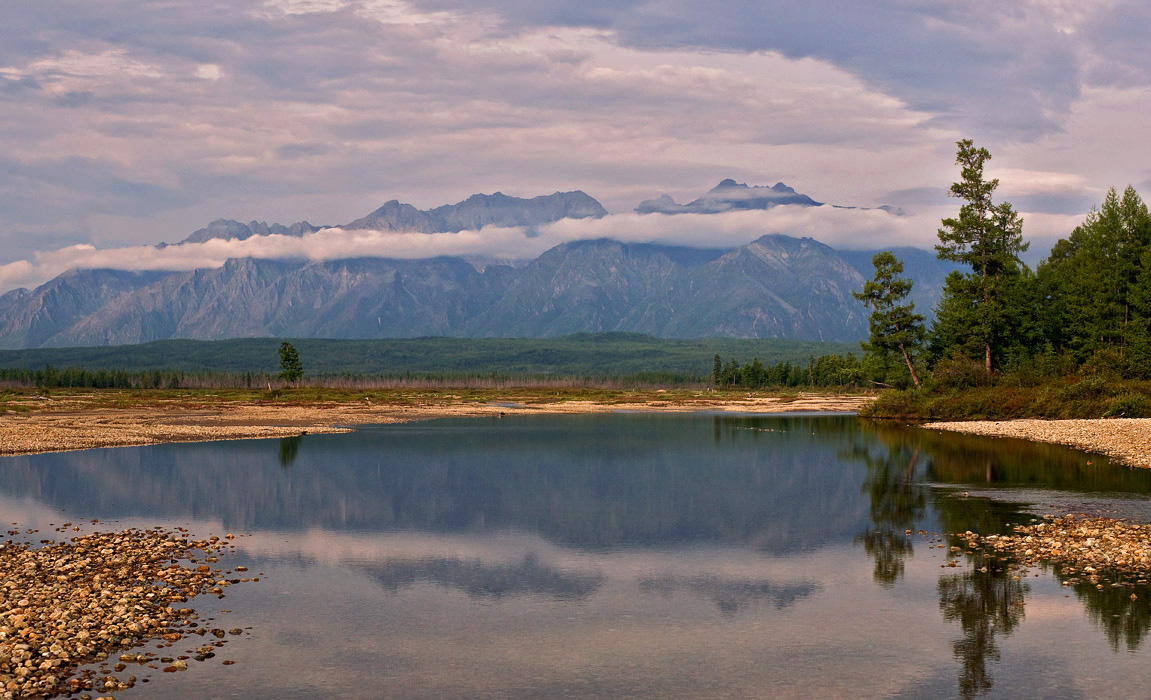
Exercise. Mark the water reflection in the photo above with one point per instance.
(730, 595)
(896, 504)
(702, 531)
(985, 605)
(486, 580)
(289, 450)
(988, 599)
(1123, 613)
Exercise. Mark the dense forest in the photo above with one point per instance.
(1081, 319)
(591, 359)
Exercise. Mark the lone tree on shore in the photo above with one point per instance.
(893, 325)
(291, 369)
(988, 238)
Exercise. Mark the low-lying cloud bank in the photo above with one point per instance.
(839, 228)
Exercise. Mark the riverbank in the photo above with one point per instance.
(83, 420)
(1125, 439)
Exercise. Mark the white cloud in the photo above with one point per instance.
(846, 229)
(1024, 181)
(129, 122)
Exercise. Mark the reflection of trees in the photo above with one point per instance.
(1124, 621)
(996, 462)
(985, 605)
(895, 504)
(289, 450)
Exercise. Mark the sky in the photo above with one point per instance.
(129, 122)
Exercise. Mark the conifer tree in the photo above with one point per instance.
(986, 237)
(893, 325)
(1140, 332)
(291, 369)
(1089, 280)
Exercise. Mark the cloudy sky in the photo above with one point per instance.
(128, 122)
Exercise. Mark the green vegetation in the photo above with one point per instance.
(291, 369)
(1071, 339)
(1066, 397)
(251, 362)
(825, 371)
(988, 238)
(893, 325)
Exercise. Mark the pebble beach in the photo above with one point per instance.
(1125, 439)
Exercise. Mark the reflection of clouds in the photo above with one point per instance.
(486, 580)
(368, 551)
(327, 628)
(731, 595)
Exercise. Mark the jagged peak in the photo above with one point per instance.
(730, 184)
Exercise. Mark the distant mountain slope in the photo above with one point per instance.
(927, 271)
(584, 354)
(774, 287)
(359, 298)
(30, 319)
(473, 213)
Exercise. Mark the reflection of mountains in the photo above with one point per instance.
(588, 481)
(597, 481)
(485, 580)
(731, 595)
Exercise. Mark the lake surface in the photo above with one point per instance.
(622, 556)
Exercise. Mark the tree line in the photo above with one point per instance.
(1085, 309)
(824, 371)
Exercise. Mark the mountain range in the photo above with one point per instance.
(472, 214)
(774, 287)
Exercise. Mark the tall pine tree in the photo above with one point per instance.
(988, 238)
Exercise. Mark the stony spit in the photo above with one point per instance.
(65, 605)
(1089, 544)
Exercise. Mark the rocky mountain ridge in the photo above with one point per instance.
(473, 213)
(774, 287)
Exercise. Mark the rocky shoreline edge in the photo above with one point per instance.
(97, 599)
(1125, 439)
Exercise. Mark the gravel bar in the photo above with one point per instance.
(1125, 439)
(1091, 546)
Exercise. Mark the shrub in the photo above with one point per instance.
(959, 372)
(1128, 405)
(1093, 387)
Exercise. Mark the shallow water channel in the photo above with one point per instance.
(622, 556)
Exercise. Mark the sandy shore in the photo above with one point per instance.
(1126, 439)
(78, 427)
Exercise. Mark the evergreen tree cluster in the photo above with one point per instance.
(823, 371)
(50, 377)
(1086, 309)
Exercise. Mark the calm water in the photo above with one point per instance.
(621, 556)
